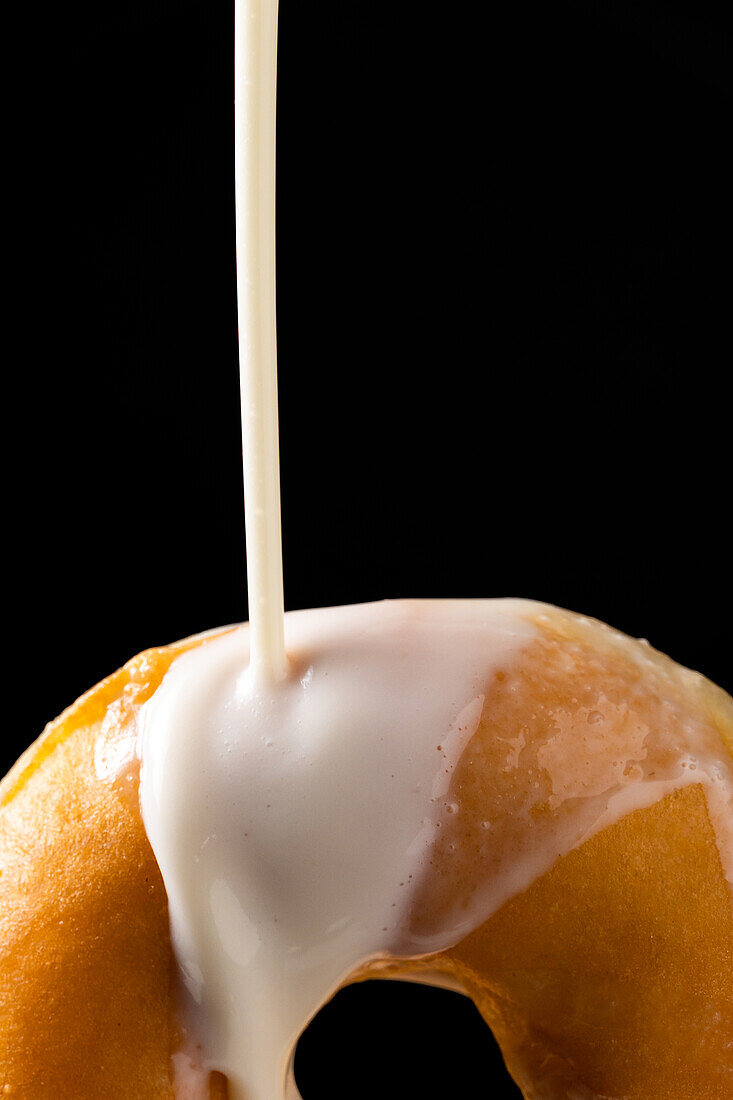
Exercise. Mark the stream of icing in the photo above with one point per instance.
(255, 96)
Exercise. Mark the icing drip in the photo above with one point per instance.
(291, 823)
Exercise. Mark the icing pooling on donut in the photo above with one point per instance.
(298, 829)
(291, 824)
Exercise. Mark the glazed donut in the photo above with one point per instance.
(495, 795)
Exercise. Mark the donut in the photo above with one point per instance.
(494, 795)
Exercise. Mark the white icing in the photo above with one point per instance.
(291, 823)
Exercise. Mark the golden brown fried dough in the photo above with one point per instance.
(611, 975)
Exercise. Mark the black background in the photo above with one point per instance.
(503, 255)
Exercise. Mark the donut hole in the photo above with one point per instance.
(394, 1039)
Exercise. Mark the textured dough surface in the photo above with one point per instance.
(85, 956)
(612, 975)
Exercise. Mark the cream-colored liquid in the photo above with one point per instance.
(255, 93)
(292, 822)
